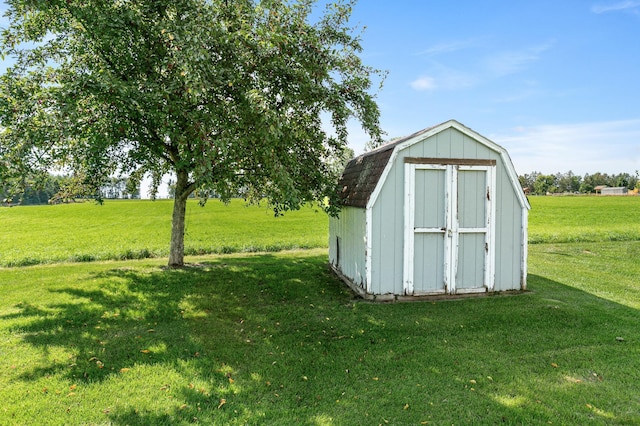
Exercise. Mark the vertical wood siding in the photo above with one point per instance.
(388, 217)
(347, 244)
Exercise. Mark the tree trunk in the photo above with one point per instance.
(176, 250)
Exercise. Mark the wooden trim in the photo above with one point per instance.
(450, 161)
(409, 220)
(524, 249)
(368, 244)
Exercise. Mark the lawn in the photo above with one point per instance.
(274, 338)
(584, 219)
(133, 229)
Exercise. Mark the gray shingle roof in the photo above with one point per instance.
(362, 174)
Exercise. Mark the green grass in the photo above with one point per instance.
(135, 229)
(274, 338)
(583, 219)
(120, 230)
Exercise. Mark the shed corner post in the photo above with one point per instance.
(409, 220)
(368, 247)
(492, 187)
(525, 248)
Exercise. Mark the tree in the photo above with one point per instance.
(528, 180)
(589, 182)
(228, 96)
(544, 184)
(568, 182)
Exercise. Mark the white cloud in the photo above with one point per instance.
(608, 147)
(444, 78)
(615, 7)
(449, 47)
(511, 62)
(424, 83)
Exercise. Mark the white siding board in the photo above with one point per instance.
(349, 228)
(507, 236)
(456, 144)
(470, 273)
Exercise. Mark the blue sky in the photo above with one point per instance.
(557, 83)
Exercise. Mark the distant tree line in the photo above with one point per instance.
(54, 189)
(541, 184)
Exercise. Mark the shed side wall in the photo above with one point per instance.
(347, 250)
(508, 239)
(388, 217)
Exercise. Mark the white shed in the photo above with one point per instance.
(439, 212)
(619, 190)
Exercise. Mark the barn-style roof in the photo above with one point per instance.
(362, 174)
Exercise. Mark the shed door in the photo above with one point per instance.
(448, 232)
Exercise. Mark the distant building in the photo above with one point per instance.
(598, 189)
(620, 190)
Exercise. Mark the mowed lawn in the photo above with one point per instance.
(133, 229)
(274, 338)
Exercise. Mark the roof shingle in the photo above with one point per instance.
(362, 174)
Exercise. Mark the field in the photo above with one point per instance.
(119, 230)
(274, 338)
(584, 219)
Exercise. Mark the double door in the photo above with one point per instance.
(449, 226)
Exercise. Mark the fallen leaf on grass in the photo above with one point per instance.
(124, 370)
(145, 351)
(222, 402)
(554, 365)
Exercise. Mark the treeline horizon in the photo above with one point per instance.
(55, 189)
(568, 182)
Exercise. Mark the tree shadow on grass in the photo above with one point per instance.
(195, 325)
(273, 339)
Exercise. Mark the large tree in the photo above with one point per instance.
(248, 97)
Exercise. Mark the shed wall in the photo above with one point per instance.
(508, 239)
(614, 191)
(347, 251)
(387, 214)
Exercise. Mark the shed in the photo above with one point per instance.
(598, 189)
(439, 212)
(618, 190)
